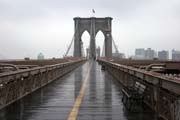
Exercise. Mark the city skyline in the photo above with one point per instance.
(149, 53)
(30, 27)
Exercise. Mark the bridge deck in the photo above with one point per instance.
(84, 94)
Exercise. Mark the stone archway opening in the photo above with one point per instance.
(85, 38)
(100, 39)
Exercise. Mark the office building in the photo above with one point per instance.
(175, 55)
(140, 53)
(163, 55)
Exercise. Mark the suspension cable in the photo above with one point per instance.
(115, 46)
(69, 47)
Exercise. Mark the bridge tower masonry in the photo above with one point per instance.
(92, 25)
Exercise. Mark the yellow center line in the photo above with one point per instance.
(77, 104)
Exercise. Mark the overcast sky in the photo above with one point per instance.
(28, 27)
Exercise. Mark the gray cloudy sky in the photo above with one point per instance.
(28, 27)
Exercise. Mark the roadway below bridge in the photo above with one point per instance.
(87, 93)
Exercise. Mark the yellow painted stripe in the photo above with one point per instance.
(77, 104)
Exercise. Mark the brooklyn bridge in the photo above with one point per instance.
(92, 87)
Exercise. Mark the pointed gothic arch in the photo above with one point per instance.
(85, 38)
(100, 39)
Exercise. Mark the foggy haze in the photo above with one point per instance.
(28, 27)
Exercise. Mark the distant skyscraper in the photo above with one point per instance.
(98, 52)
(163, 55)
(175, 55)
(140, 53)
(150, 54)
(82, 49)
(87, 52)
(118, 55)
